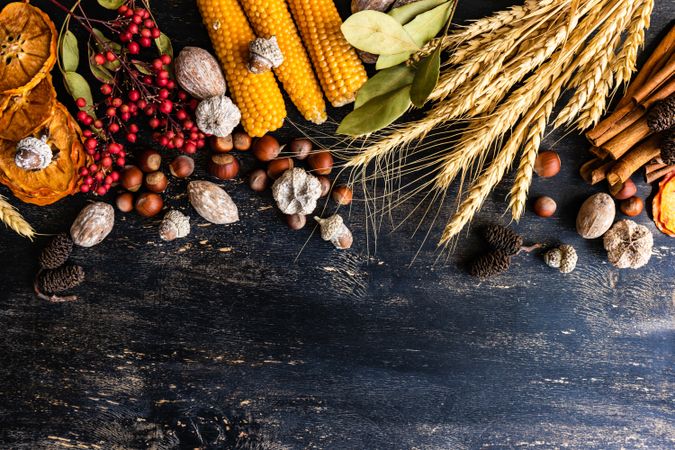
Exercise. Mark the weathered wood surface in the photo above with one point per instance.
(222, 340)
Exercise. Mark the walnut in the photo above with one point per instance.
(296, 192)
(596, 216)
(628, 244)
(333, 229)
(217, 116)
(265, 55)
(174, 225)
(93, 224)
(33, 153)
(199, 74)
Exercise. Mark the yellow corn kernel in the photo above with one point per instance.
(338, 66)
(272, 18)
(257, 96)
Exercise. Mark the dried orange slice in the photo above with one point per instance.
(663, 206)
(23, 114)
(27, 47)
(61, 177)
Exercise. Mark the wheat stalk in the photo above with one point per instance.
(627, 57)
(12, 219)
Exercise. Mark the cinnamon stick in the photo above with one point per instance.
(599, 174)
(586, 170)
(658, 174)
(621, 143)
(654, 166)
(634, 159)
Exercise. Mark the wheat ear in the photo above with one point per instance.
(11, 217)
(627, 57)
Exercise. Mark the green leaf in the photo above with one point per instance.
(426, 78)
(70, 54)
(377, 113)
(376, 32)
(141, 67)
(100, 72)
(78, 87)
(111, 4)
(383, 82)
(111, 45)
(406, 13)
(422, 29)
(164, 46)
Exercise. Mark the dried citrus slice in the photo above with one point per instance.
(24, 113)
(27, 47)
(60, 178)
(663, 206)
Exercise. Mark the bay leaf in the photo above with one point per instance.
(378, 33)
(406, 13)
(384, 81)
(142, 67)
(70, 54)
(376, 113)
(78, 87)
(426, 78)
(164, 46)
(100, 72)
(111, 4)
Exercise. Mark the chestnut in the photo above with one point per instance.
(342, 195)
(223, 166)
(278, 166)
(326, 184)
(132, 178)
(296, 221)
(258, 180)
(149, 204)
(321, 162)
(150, 160)
(156, 182)
(627, 190)
(545, 206)
(221, 144)
(125, 202)
(182, 167)
(242, 141)
(301, 148)
(266, 148)
(632, 206)
(547, 164)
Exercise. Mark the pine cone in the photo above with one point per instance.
(490, 264)
(503, 238)
(668, 149)
(662, 115)
(61, 279)
(56, 253)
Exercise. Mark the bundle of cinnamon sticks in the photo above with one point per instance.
(633, 136)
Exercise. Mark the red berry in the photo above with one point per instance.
(110, 56)
(88, 180)
(147, 79)
(131, 137)
(115, 176)
(190, 148)
(181, 114)
(163, 74)
(146, 33)
(166, 59)
(87, 133)
(122, 9)
(106, 89)
(101, 190)
(137, 19)
(113, 128)
(166, 106)
(163, 141)
(145, 41)
(148, 23)
(161, 82)
(99, 59)
(116, 102)
(133, 128)
(84, 188)
(90, 143)
(193, 104)
(149, 110)
(82, 116)
(107, 161)
(128, 13)
(170, 84)
(133, 28)
(157, 64)
(125, 116)
(111, 112)
(114, 148)
(125, 37)
(98, 123)
(134, 48)
(124, 108)
(88, 120)
(141, 104)
(163, 93)
(156, 33)
(188, 124)
(80, 102)
(182, 95)
(134, 95)
(83, 172)
(120, 162)
(154, 122)
(108, 180)
(178, 142)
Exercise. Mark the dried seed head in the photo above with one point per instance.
(503, 238)
(265, 55)
(628, 244)
(217, 116)
(296, 192)
(61, 279)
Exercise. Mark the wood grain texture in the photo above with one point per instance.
(223, 341)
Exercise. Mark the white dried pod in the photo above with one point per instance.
(596, 216)
(33, 153)
(333, 229)
(217, 116)
(264, 55)
(199, 74)
(212, 202)
(93, 224)
(628, 244)
(296, 192)
(175, 225)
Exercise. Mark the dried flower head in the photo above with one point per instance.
(265, 55)
(628, 244)
(217, 116)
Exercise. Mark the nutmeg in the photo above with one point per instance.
(242, 141)
(150, 160)
(342, 195)
(321, 163)
(149, 204)
(221, 144)
(296, 221)
(326, 184)
(595, 216)
(125, 202)
(156, 182)
(547, 164)
(632, 206)
(545, 206)
(132, 178)
(266, 148)
(626, 191)
(258, 180)
(278, 166)
(93, 224)
(182, 167)
(223, 166)
(199, 73)
(301, 148)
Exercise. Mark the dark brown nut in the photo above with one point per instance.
(242, 141)
(150, 161)
(544, 206)
(342, 195)
(221, 144)
(258, 180)
(156, 182)
(132, 178)
(278, 166)
(301, 148)
(321, 163)
(266, 148)
(326, 184)
(296, 221)
(223, 166)
(632, 206)
(182, 167)
(149, 204)
(125, 202)
(547, 164)
(627, 190)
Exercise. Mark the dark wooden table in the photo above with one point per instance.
(224, 340)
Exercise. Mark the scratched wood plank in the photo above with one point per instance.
(225, 340)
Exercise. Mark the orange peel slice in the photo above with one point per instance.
(663, 206)
(24, 113)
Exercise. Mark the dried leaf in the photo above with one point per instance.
(164, 46)
(378, 33)
(78, 87)
(377, 113)
(142, 67)
(384, 82)
(70, 54)
(111, 4)
(406, 13)
(426, 78)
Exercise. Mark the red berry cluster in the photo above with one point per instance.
(141, 88)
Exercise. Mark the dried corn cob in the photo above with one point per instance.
(272, 18)
(339, 68)
(257, 96)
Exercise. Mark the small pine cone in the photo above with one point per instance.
(61, 279)
(662, 115)
(490, 264)
(56, 253)
(668, 149)
(503, 238)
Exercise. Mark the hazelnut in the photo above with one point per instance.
(547, 164)
(301, 148)
(156, 182)
(149, 204)
(632, 206)
(182, 167)
(544, 206)
(132, 178)
(278, 166)
(342, 195)
(242, 141)
(223, 166)
(627, 190)
(125, 202)
(326, 184)
(321, 162)
(296, 221)
(266, 148)
(258, 180)
(150, 160)
(221, 144)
